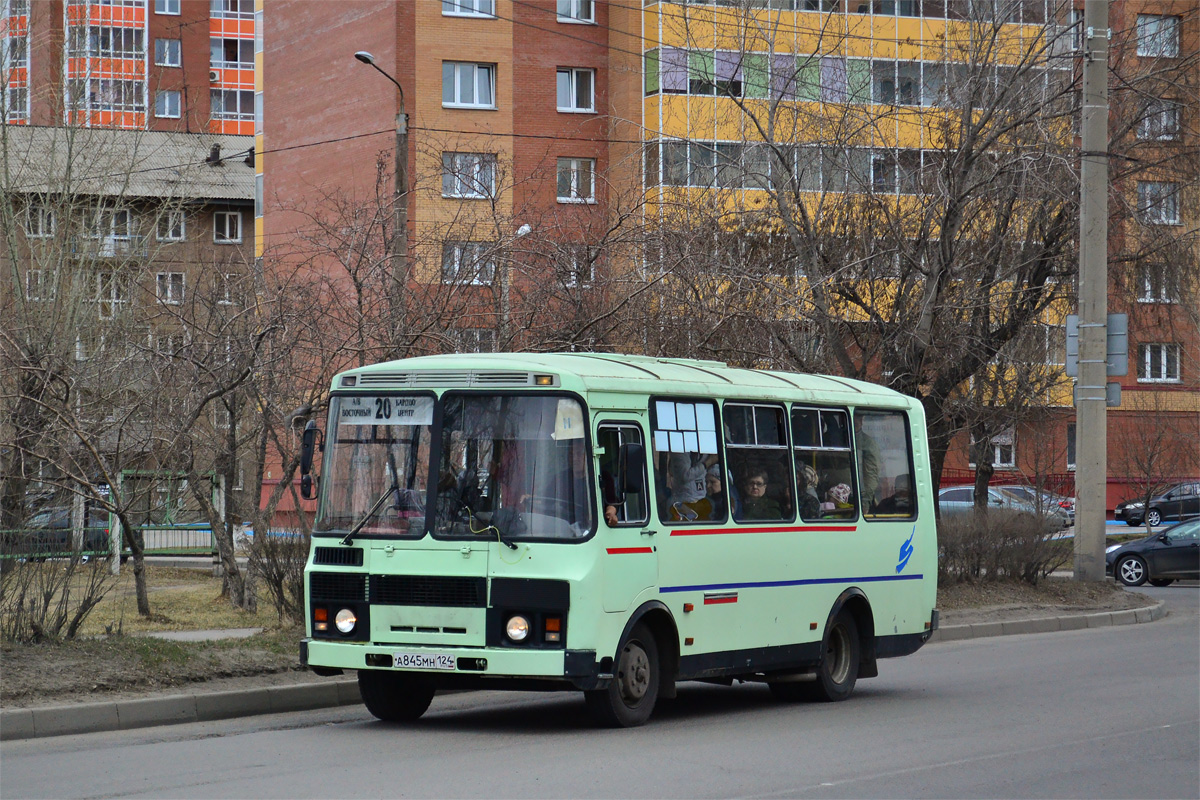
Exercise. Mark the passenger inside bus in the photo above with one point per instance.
(756, 502)
(715, 488)
(686, 493)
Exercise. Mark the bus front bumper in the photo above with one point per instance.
(465, 666)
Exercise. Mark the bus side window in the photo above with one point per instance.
(824, 464)
(885, 460)
(685, 447)
(756, 444)
(618, 509)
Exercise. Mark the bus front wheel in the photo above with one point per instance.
(394, 696)
(629, 699)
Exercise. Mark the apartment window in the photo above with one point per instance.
(1070, 446)
(225, 289)
(167, 52)
(17, 106)
(468, 8)
(1158, 202)
(576, 11)
(1158, 284)
(1161, 122)
(1157, 36)
(468, 174)
(106, 94)
(227, 227)
(468, 85)
(473, 340)
(468, 262)
(41, 285)
(576, 180)
(1003, 451)
(1158, 363)
(232, 53)
(109, 223)
(232, 104)
(578, 266)
(576, 90)
(39, 222)
(170, 226)
(166, 6)
(111, 294)
(109, 42)
(169, 287)
(237, 9)
(166, 104)
(258, 195)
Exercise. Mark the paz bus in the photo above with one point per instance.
(613, 524)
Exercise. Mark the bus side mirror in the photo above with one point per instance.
(631, 467)
(308, 445)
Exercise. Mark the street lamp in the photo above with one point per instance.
(399, 210)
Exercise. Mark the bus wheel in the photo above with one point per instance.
(394, 696)
(839, 661)
(629, 699)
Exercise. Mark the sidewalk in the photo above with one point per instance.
(318, 693)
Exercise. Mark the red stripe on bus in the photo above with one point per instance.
(792, 529)
(621, 551)
(712, 601)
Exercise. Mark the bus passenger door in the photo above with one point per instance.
(629, 558)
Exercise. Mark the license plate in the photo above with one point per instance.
(424, 661)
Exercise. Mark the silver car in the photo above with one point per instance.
(959, 500)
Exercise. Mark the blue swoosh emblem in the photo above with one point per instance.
(906, 551)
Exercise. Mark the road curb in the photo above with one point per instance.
(1104, 619)
(33, 723)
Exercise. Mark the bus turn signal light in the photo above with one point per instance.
(553, 629)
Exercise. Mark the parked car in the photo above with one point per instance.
(1181, 501)
(48, 532)
(1049, 500)
(959, 500)
(1160, 558)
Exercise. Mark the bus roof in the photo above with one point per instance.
(614, 372)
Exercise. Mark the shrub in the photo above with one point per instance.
(998, 545)
(277, 562)
(49, 599)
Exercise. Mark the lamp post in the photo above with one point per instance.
(399, 212)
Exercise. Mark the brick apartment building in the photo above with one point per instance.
(526, 116)
(128, 161)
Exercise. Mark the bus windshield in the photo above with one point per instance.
(513, 467)
(378, 464)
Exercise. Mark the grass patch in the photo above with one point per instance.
(181, 599)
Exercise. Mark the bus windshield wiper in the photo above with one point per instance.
(371, 512)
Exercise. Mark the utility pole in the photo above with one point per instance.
(1091, 413)
(398, 305)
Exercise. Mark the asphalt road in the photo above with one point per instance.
(1108, 712)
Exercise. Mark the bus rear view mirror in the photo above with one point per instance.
(308, 446)
(631, 466)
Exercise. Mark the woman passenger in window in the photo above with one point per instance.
(716, 493)
(755, 503)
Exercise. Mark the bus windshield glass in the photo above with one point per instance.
(378, 464)
(513, 467)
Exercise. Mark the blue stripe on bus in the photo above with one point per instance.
(708, 587)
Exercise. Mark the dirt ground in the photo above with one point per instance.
(120, 667)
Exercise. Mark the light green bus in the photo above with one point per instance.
(614, 524)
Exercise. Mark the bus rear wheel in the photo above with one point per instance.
(394, 696)
(629, 699)
(838, 670)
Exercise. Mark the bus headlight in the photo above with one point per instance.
(517, 628)
(345, 620)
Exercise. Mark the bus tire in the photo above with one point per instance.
(630, 697)
(394, 696)
(838, 670)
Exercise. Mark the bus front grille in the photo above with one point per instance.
(338, 556)
(337, 587)
(428, 590)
